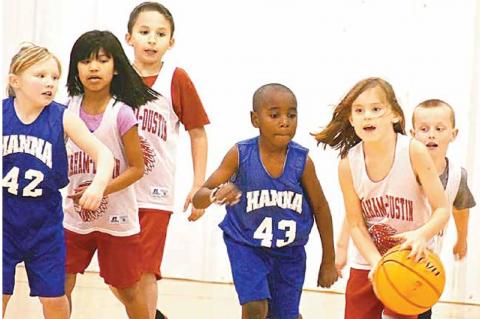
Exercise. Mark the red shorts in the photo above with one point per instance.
(153, 232)
(119, 258)
(360, 300)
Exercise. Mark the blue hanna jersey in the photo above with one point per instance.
(34, 169)
(272, 212)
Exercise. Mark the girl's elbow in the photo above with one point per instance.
(138, 172)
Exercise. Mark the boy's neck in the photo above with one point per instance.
(268, 148)
(145, 70)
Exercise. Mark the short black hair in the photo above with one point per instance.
(127, 86)
(150, 6)
(259, 95)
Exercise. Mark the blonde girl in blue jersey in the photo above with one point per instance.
(34, 169)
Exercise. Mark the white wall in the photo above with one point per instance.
(317, 48)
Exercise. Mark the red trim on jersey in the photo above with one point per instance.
(186, 102)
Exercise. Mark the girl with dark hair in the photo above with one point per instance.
(104, 90)
(388, 182)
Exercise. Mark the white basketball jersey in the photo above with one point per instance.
(159, 128)
(118, 212)
(395, 204)
(451, 190)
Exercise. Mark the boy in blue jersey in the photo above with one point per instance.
(272, 196)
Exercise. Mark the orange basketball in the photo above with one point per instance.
(407, 287)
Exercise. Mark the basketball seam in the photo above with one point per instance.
(398, 292)
(418, 274)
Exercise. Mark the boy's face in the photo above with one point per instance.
(433, 127)
(151, 37)
(276, 117)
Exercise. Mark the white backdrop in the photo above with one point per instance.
(426, 49)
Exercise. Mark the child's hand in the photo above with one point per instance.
(90, 196)
(460, 249)
(78, 192)
(195, 213)
(414, 240)
(340, 259)
(327, 275)
(227, 194)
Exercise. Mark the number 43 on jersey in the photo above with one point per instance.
(264, 232)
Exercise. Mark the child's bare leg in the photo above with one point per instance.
(5, 300)
(70, 281)
(55, 307)
(133, 300)
(255, 310)
(149, 286)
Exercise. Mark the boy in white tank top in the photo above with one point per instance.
(150, 32)
(433, 124)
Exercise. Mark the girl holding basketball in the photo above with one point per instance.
(388, 182)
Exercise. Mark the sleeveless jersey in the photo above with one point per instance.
(118, 212)
(159, 129)
(34, 169)
(451, 190)
(395, 204)
(272, 212)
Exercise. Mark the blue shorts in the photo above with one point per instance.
(264, 273)
(44, 263)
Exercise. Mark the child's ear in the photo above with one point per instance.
(454, 134)
(254, 119)
(412, 132)
(13, 81)
(172, 43)
(128, 37)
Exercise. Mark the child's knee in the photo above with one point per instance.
(255, 310)
(54, 302)
(129, 294)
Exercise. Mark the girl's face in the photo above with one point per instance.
(372, 116)
(96, 73)
(38, 83)
(151, 37)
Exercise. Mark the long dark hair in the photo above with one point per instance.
(127, 86)
(339, 133)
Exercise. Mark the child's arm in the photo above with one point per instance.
(76, 130)
(327, 274)
(135, 162)
(226, 192)
(199, 149)
(341, 252)
(353, 210)
(461, 224)
(424, 168)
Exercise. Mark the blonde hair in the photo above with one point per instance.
(433, 103)
(29, 55)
